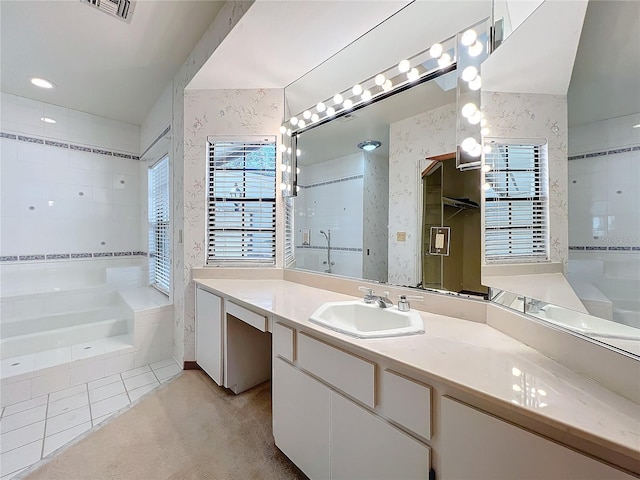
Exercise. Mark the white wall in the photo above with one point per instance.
(72, 187)
(331, 198)
(375, 245)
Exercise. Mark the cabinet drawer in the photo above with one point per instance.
(406, 402)
(247, 316)
(353, 375)
(283, 338)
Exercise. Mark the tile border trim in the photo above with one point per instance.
(69, 256)
(71, 146)
(603, 248)
(329, 182)
(610, 151)
(156, 140)
(340, 249)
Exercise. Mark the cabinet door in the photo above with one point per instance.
(365, 447)
(209, 334)
(301, 419)
(479, 446)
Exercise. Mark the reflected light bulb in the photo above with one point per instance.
(283, 129)
(347, 103)
(487, 168)
(436, 50)
(366, 96)
(298, 152)
(288, 132)
(475, 118)
(386, 86)
(404, 66)
(298, 171)
(476, 83)
(321, 107)
(289, 150)
(486, 186)
(293, 120)
(283, 168)
(337, 99)
(469, 37)
(306, 114)
(283, 186)
(357, 89)
(331, 111)
(282, 147)
(469, 73)
(476, 49)
(476, 151)
(413, 74)
(444, 60)
(301, 123)
(468, 144)
(483, 122)
(517, 388)
(468, 109)
(315, 117)
(484, 132)
(379, 80)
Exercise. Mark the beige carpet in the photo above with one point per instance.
(187, 429)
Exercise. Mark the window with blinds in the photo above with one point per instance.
(288, 231)
(516, 210)
(159, 241)
(241, 198)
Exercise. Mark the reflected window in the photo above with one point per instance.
(159, 241)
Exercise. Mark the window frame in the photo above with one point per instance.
(160, 265)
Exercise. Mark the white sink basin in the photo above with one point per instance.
(363, 320)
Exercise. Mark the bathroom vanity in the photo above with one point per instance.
(462, 399)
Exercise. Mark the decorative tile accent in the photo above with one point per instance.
(58, 256)
(612, 151)
(576, 248)
(134, 157)
(9, 258)
(81, 255)
(636, 249)
(595, 248)
(595, 154)
(8, 135)
(122, 254)
(140, 254)
(121, 155)
(619, 249)
(56, 144)
(636, 148)
(619, 150)
(102, 254)
(24, 258)
(102, 152)
(80, 148)
(156, 140)
(23, 138)
(329, 182)
(576, 157)
(319, 247)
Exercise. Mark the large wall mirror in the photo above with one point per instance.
(372, 182)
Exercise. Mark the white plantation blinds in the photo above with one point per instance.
(241, 200)
(159, 246)
(516, 203)
(288, 231)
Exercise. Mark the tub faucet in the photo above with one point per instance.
(534, 306)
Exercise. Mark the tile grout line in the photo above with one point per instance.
(44, 430)
(126, 390)
(89, 402)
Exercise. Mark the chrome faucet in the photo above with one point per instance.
(383, 301)
(534, 306)
(369, 297)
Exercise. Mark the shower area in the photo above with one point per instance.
(72, 247)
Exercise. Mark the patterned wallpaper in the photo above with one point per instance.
(411, 140)
(376, 217)
(224, 22)
(525, 115)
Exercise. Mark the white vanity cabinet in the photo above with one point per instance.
(478, 446)
(326, 434)
(209, 334)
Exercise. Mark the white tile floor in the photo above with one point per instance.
(31, 430)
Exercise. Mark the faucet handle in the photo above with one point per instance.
(367, 290)
(369, 297)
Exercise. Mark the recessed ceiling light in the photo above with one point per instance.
(41, 82)
(369, 145)
(47, 120)
(636, 126)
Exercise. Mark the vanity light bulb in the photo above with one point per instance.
(476, 83)
(288, 188)
(288, 168)
(321, 107)
(283, 167)
(476, 49)
(475, 118)
(469, 37)
(436, 50)
(301, 123)
(517, 388)
(484, 131)
(282, 147)
(289, 150)
(306, 114)
(468, 144)
(337, 99)
(483, 122)
(283, 129)
(331, 111)
(388, 85)
(357, 89)
(380, 79)
(366, 96)
(283, 186)
(488, 149)
(468, 109)
(298, 171)
(413, 75)
(476, 151)
(315, 117)
(485, 169)
(298, 153)
(486, 186)
(297, 188)
(347, 104)
(469, 73)
(444, 60)
(293, 120)
(542, 392)
(288, 132)
(404, 66)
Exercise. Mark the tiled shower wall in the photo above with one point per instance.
(69, 188)
(331, 198)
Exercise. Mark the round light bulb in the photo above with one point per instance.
(483, 122)
(283, 167)
(469, 37)
(301, 123)
(298, 171)
(476, 83)
(337, 99)
(331, 111)
(380, 79)
(485, 169)
(484, 131)
(283, 129)
(468, 109)
(315, 117)
(306, 114)
(488, 149)
(404, 66)
(298, 153)
(486, 186)
(475, 118)
(47, 120)
(347, 103)
(288, 168)
(413, 75)
(282, 147)
(366, 96)
(288, 132)
(283, 186)
(469, 73)
(468, 144)
(288, 188)
(293, 120)
(357, 89)
(476, 49)
(444, 60)
(436, 50)
(289, 150)
(321, 107)
(476, 151)
(388, 85)
(297, 188)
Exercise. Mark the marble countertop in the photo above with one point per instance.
(472, 357)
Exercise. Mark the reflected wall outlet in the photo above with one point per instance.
(401, 236)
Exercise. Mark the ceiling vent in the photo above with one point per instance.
(122, 9)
